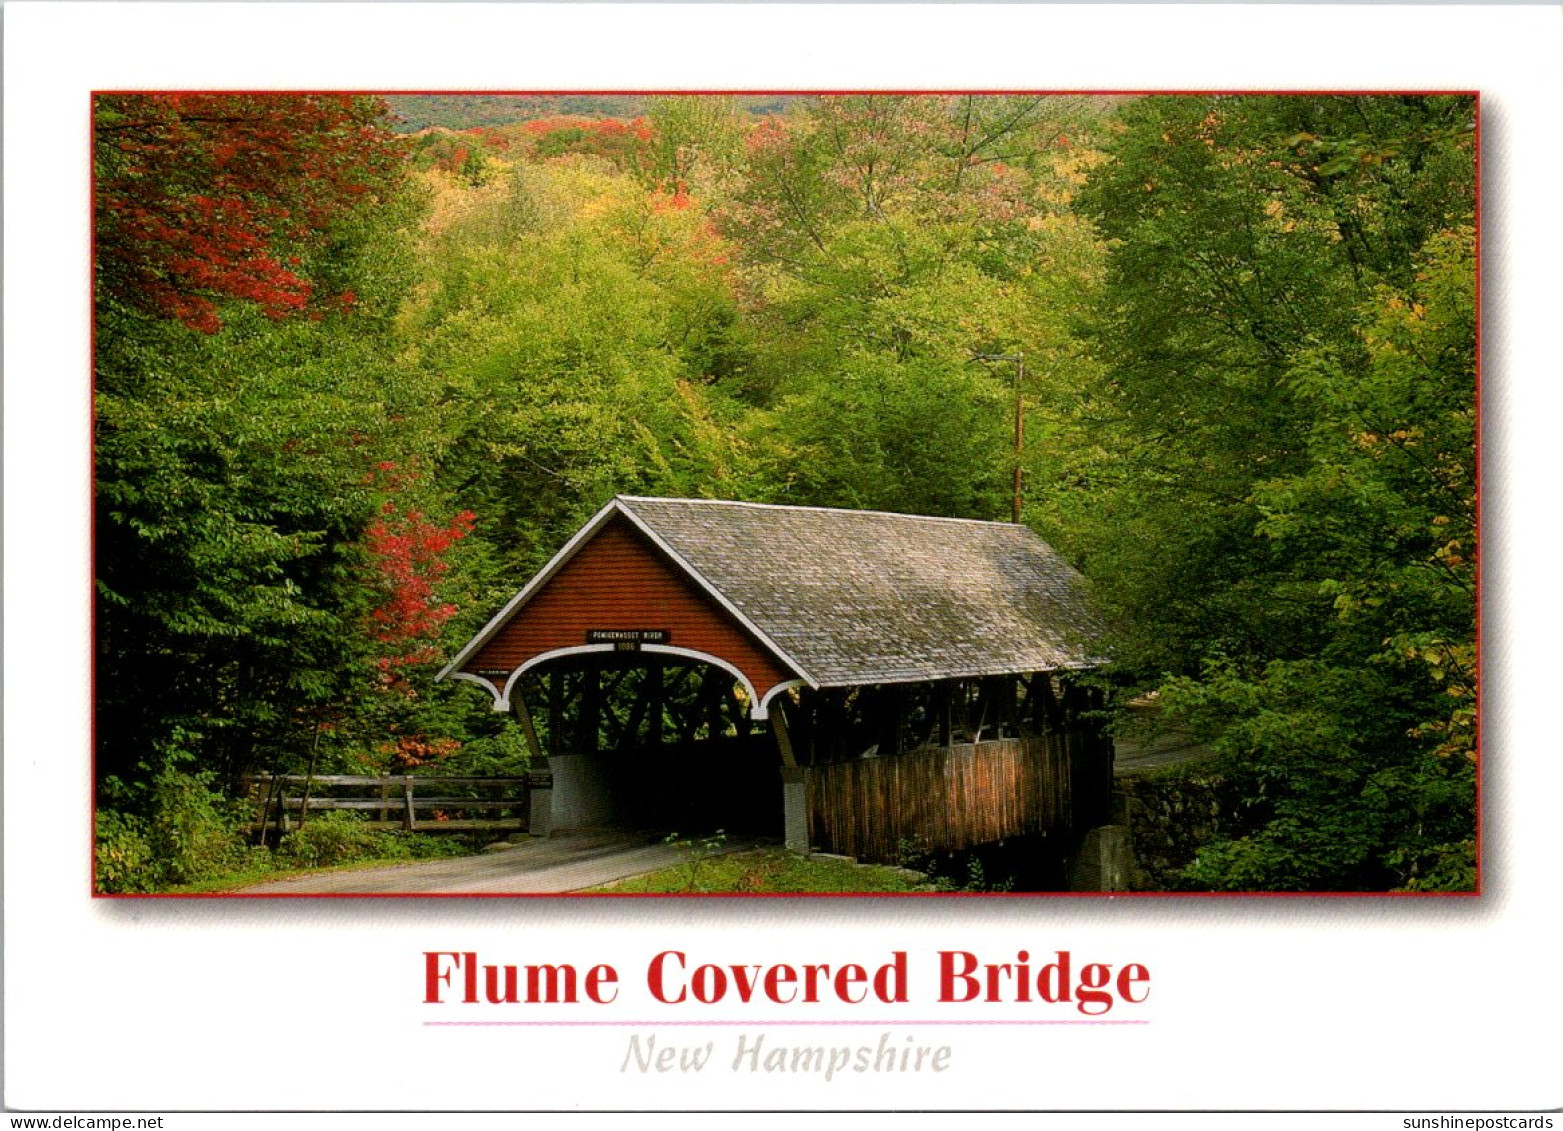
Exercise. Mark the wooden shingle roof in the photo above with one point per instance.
(847, 597)
(857, 597)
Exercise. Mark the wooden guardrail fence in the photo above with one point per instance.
(411, 802)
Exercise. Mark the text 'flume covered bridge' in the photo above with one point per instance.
(908, 673)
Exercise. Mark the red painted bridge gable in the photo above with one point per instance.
(618, 581)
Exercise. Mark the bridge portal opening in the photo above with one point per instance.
(650, 741)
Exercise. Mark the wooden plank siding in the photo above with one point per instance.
(945, 798)
(619, 580)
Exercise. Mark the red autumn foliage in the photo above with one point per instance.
(407, 550)
(603, 128)
(768, 139)
(206, 198)
(675, 201)
(626, 144)
(407, 555)
(491, 138)
(408, 751)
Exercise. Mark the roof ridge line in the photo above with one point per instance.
(832, 510)
(704, 582)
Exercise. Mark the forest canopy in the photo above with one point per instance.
(359, 371)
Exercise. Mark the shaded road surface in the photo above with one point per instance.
(1150, 743)
(546, 865)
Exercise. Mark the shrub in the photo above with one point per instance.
(196, 832)
(180, 831)
(343, 838)
(500, 755)
(121, 853)
(186, 832)
(333, 838)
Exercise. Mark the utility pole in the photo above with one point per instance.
(1019, 361)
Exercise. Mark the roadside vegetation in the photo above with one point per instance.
(768, 870)
(195, 840)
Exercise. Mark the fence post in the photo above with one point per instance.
(265, 815)
(409, 820)
(282, 809)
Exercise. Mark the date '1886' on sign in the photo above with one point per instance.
(627, 639)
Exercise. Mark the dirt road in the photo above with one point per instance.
(546, 865)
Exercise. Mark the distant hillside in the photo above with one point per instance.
(467, 111)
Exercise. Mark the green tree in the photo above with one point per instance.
(571, 329)
(697, 142)
(1275, 470)
(238, 425)
(886, 242)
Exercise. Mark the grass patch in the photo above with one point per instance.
(234, 881)
(763, 871)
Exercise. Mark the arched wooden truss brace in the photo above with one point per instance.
(759, 709)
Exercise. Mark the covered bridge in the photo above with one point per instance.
(853, 681)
